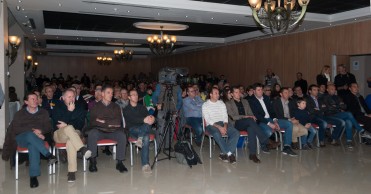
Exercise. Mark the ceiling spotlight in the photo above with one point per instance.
(22, 9)
(20, 1)
(236, 20)
(128, 11)
(186, 16)
(95, 8)
(18, 8)
(212, 18)
(158, 13)
(59, 4)
(25, 16)
(115, 9)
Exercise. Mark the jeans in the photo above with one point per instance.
(322, 125)
(142, 131)
(340, 124)
(350, 122)
(196, 124)
(253, 130)
(284, 124)
(309, 138)
(35, 146)
(233, 136)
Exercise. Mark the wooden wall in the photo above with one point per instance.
(306, 52)
(79, 65)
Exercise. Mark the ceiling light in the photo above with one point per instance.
(186, 16)
(103, 60)
(95, 8)
(25, 16)
(278, 17)
(128, 11)
(212, 18)
(158, 13)
(236, 20)
(123, 55)
(161, 45)
(20, 1)
(18, 8)
(115, 9)
(59, 4)
(22, 9)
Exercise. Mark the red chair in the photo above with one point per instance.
(133, 141)
(105, 142)
(24, 151)
(62, 146)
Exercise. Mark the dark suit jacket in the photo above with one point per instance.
(321, 80)
(311, 105)
(353, 106)
(258, 111)
(278, 108)
(233, 114)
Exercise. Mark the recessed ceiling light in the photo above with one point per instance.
(115, 9)
(355, 19)
(95, 8)
(158, 13)
(212, 18)
(25, 16)
(236, 20)
(128, 11)
(60, 4)
(22, 9)
(186, 16)
(20, 1)
(18, 8)
(330, 24)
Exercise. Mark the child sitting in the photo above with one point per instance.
(303, 116)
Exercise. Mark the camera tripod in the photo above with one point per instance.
(169, 126)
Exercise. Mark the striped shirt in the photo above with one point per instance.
(214, 112)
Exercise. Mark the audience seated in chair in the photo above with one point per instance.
(26, 130)
(139, 123)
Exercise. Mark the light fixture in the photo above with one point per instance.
(103, 60)
(14, 42)
(28, 62)
(161, 45)
(123, 55)
(278, 15)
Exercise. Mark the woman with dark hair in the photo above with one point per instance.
(12, 94)
(275, 91)
(226, 94)
(324, 77)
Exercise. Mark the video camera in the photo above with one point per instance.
(171, 75)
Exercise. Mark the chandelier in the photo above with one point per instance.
(161, 45)
(104, 60)
(123, 55)
(276, 16)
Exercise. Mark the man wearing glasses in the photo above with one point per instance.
(192, 109)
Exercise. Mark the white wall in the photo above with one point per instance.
(362, 73)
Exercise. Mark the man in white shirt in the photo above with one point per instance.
(215, 114)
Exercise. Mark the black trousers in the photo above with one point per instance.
(253, 130)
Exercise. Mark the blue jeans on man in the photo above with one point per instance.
(196, 124)
(308, 138)
(283, 124)
(233, 136)
(350, 122)
(322, 125)
(144, 132)
(35, 147)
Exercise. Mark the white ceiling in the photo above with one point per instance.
(165, 10)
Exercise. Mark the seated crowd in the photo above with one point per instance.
(68, 111)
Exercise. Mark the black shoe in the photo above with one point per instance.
(224, 157)
(310, 146)
(52, 159)
(305, 147)
(288, 151)
(265, 149)
(107, 151)
(254, 158)
(34, 182)
(295, 146)
(85, 152)
(71, 177)
(93, 165)
(121, 167)
(232, 159)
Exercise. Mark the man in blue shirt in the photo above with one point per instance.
(192, 109)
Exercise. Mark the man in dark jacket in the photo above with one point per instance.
(357, 106)
(139, 122)
(28, 126)
(68, 119)
(264, 113)
(343, 79)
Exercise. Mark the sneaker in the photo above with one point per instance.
(349, 145)
(71, 177)
(85, 152)
(310, 146)
(232, 159)
(146, 169)
(265, 149)
(121, 167)
(139, 142)
(305, 147)
(52, 159)
(224, 157)
(366, 135)
(288, 151)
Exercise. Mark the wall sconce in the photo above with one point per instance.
(34, 66)
(14, 42)
(28, 62)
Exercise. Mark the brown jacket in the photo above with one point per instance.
(24, 121)
(233, 114)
